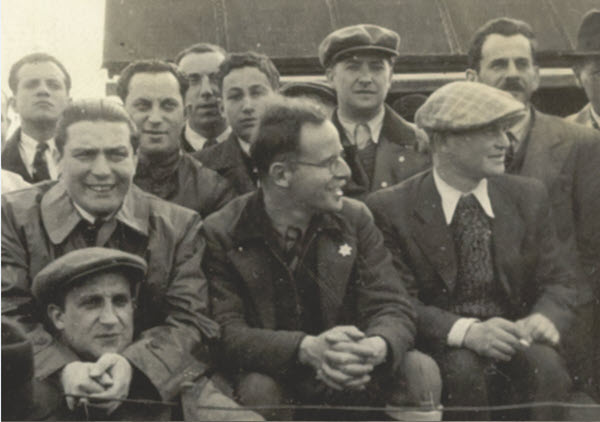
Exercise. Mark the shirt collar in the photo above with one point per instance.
(197, 141)
(28, 149)
(450, 196)
(375, 125)
(61, 215)
(244, 145)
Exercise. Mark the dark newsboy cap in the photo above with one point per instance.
(352, 39)
(588, 36)
(58, 276)
(462, 106)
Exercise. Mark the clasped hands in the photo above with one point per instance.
(343, 357)
(108, 377)
(499, 338)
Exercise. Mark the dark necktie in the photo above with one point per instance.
(367, 149)
(40, 166)
(209, 143)
(90, 231)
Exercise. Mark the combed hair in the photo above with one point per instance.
(248, 59)
(502, 26)
(278, 133)
(13, 76)
(203, 47)
(93, 110)
(149, 66)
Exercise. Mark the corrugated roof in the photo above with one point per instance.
(435, 33)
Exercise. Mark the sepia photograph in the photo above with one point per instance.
(345, 210)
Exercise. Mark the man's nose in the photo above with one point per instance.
(248, 104)
(344, 171)
(42, 89)
(155, 116)
(503, 140)
(206, 88)
(511, 69)
(100, 166)
(108, 316)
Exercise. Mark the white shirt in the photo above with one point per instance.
(245, 146)
(450, 197)
(375, 126)
(197, 141)
(28, 148)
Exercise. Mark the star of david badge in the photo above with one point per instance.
(345, 250)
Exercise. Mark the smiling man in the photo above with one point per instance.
(94, 203)
(205, 124)
(493, 286)
(380, 147)
(40, 85)
(311, 309)
(153, 93)
(247, 82)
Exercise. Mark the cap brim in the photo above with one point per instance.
(340, 55)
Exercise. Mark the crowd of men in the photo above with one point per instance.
(218, 247)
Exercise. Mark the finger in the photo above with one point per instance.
(103, 364)
(88, 388)
(337, 337)
(328, 382)
(356, 370)
(70, 402)
(359, 383)
(499, 355)
(505, 348)
(336, 358)
(334, 374)
(506, 337)
(358, 349)
(353, 332)
(511, 328)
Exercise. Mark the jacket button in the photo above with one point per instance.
(401, 159)
(384, 184)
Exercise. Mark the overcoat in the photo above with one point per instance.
(11, 157)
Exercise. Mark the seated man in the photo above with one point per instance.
(95, 204)
(88, 297)
(153, 92)
(493, 284)
(311, 309)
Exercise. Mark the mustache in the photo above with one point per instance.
(513, 85)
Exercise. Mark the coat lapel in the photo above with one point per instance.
(11, 158)
(432, 234)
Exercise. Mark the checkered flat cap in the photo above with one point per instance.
(464, 105)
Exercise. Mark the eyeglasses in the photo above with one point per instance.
(334, 164)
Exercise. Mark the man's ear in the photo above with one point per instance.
(280, 174)
(472, 75)
(56, 314)
(330, 74)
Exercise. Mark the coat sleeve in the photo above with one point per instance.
(273, 352)
(382, 300)
(17, 302)
(164, 350)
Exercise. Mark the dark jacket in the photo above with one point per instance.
(11, 157)
(227, 159)
(356, 281)
(194, 186)
(400, 154)
(40, 224)
(530, 263)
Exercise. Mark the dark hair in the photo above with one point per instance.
(503, 26)
(203, 47)
(248, 59)
(93, 110)
(13, 76)
(278, 133)
(149, 66)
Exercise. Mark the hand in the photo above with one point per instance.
(496, 338)
(312, 348)
(115, 372)
(75, 379)
(539, 328)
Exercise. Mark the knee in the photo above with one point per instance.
(546, 367)
(423, 379)
(464, 371)
(258, 389)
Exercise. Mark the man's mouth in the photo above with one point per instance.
(45, 104)
(248, 122)
(101, 188)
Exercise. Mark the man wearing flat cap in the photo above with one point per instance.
(94, 203)
(380, 147)
(88, 299)
(562, 155)
(493, 286)
(587, 69)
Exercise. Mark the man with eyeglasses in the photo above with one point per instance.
(310, 306)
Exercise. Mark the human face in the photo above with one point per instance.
(246, 91)
(589, 77)
(361, 83)
(320, 171)
(507, 64)
(97, 165)
(202, 99)
(41, 93)
(154, 103)
(477, 154)
(97, 316)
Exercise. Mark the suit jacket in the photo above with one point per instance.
(530, 263)
(226, 159)
(565, 156)
(11, 157)
(355, 277)
(399, 155)
(583, 117)
(40, 224)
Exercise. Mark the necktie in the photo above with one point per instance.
(366, 148)
(40, 166)
(209, 143)
(509, 155)
(90, 231)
